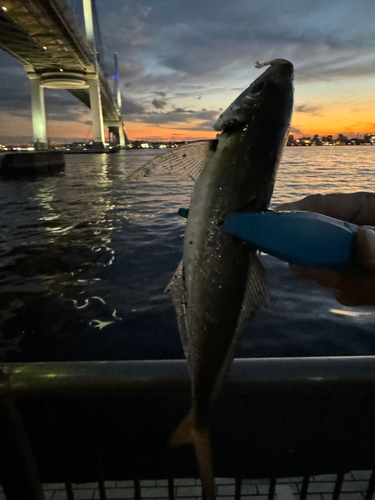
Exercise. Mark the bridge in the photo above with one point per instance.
(58, 43)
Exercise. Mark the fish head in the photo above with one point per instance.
(270, 96)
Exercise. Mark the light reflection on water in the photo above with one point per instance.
(351, 313)
(311, 170)
(85, 259)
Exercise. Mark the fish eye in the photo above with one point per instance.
(258, 87)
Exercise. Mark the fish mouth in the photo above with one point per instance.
(279, 74)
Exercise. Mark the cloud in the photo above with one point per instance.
(336, 66)
(194, 120)
(181, 110)
(130, 70)
(130, 107)
(144, 10)
(196, 37)
(125, 24)
(159, 104)
(306, 108)
(296, 130)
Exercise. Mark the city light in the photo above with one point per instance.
(4, 9)
(329, 140)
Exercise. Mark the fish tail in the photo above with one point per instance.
(188, 432)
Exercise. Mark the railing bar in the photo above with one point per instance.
(323, 422)
(69, 490)
(271, 489)
(249, 438)
(172, 376)
(370, 487)
(137, 489)
(244, 446)
(97, 454)
(137, 472)
(278, 455)
(171, 489)
(62, 450)
(170, 454)
(19, 469)
(338, 484)
(304, 487)
(237, 491)
(102, 491)
(361, 409)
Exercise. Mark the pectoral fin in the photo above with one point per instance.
(185, 162)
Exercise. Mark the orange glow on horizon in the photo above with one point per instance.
(332, 120)
(346, 118)
(339, 122)
(140, 131)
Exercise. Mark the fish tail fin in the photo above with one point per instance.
(183, 435)
(189, 433)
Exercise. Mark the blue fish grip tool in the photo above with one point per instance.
(183, 212)
(307, 239)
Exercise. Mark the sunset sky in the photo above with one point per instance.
(181, 62)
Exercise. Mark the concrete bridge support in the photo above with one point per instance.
(121, 132)
(64, 81)
(96, 112)
(117, 129)
(38, 114)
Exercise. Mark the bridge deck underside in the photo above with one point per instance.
(44, 36)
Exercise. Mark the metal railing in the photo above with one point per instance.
(75, 422)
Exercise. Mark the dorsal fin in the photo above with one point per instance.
(185, 162)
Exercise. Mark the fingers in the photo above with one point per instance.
(326, 278)
(365, 247)
(356, 290)
(358, 208)
(349, 289)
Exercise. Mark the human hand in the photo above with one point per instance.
(359, 208)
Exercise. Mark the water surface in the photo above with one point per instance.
(85, 259)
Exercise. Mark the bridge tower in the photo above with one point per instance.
(117, 128)
(93, 80)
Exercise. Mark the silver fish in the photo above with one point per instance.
(220, 283)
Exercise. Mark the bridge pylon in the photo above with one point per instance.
(118, 130)
(93, 80)
(96, 111)
(38, 113)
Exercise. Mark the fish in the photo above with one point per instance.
(220, 283)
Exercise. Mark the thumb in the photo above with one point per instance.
(365, 246)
